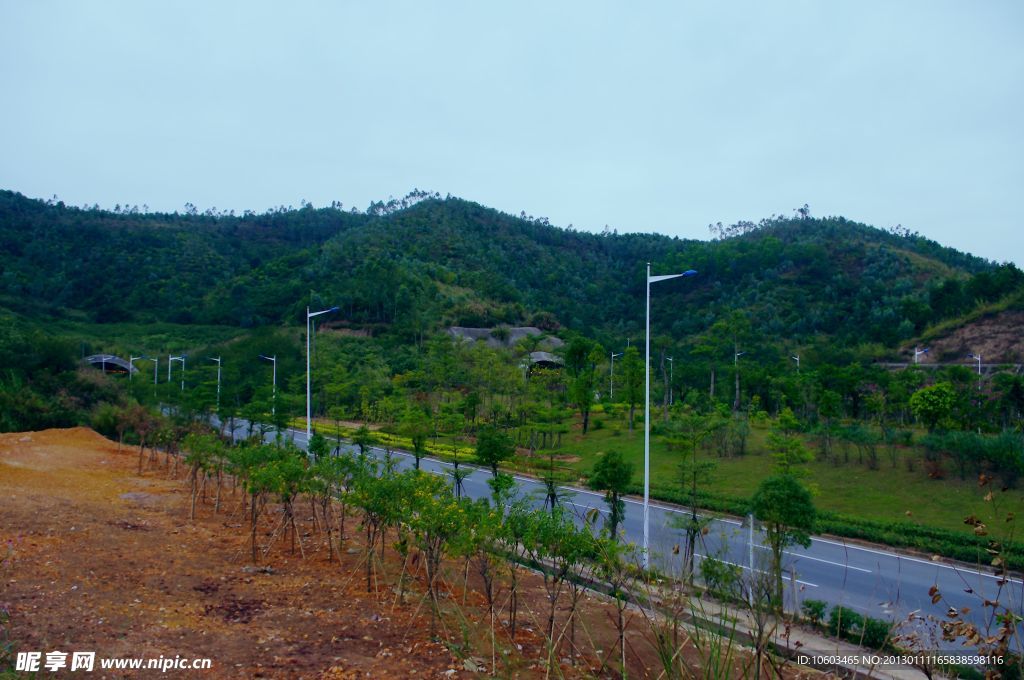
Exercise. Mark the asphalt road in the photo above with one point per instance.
(872, 580)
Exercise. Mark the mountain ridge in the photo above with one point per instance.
(415, 266)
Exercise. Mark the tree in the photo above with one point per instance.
(785, 508)
(828, 411)
(144, 424)
(436, 518)
(613, 475)
(632, 379)
(364, 439)
(712, 345)
(554, 539)
(787, 447)
(416, 426)
(739, 330)
(689, 430)
(493, 447)
(581, 390)
(934, 405)
(200, 450)
(503, 488)
(318, 446)
(324, 485)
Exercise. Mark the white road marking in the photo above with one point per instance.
(897, 556)
(806, 583)
(802, 556)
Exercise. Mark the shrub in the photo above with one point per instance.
(843, 621)
(721, 578)
(814, 610)
(876, 633)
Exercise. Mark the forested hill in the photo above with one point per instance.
(409, 270)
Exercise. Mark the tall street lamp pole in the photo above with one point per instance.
(131, 367)
(977, 357)
(917, 353)
(611, 378)
(170, 360)
(647, 406)
(309, 317)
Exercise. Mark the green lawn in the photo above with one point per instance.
(885, 494)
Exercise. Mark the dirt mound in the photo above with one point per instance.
(997, 338)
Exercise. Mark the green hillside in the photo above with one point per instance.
(439, 262)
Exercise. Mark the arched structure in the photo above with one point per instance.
(109, 363)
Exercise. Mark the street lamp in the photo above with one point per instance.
(273, 402)
(309, 316)
(611, 378)
(647, 405)
(918, 353)
(796, 358)
(218, 380)
(182, 360)
(131, 367)
(978, 358)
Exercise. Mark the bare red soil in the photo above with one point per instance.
(107, 560)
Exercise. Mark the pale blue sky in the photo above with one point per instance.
(646, 117)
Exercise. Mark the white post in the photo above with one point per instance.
(611, 378)
(131, 366)
(309, 419)
(977, 357)
(171, 360)
(647, 406)
(156, 367)
(309, 427)
(647, 420)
